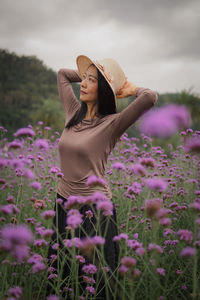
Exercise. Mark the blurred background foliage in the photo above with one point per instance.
(28, 94)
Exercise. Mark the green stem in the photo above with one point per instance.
(195, 265)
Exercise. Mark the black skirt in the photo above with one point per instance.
(110, 248)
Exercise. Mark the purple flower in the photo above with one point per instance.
(36, 185)
(165, 222)
(47, 128)
(60, 174)
(59, 201)
(98, 240)
(165, 121)
(80, 258)
(123, 236)
(88, 280)
(73, 201)
(86, 244)
(89, 214)
(15, 235)
(156, 184)
(160, 271)
(29, 174)
(188, 251)
(40, 243)
(128, 261)
(24, 132)
(48, 214)
(42, 144)
(140, 251)
(133, 244)
(136, 188)
(185, 235)
(38, 266)
(16, 163)
(155, 247)
(198, 221)
(136, 273)
(89, 269)
(74, 218)
(47, 232)
(94, 181)
(15, 145)
(137, 169)
(148, 162)
(90, 289)
(195, 205)
(54, 170)
(123, 269)
(184, 287)
(95, 197)
(173, 204)
(20, 252)
(192, 144)
(118, 166)
(15, 291)
(6, 209)
(106, 207)
(52, 276)
(55, 246)
(34, 259)
(14, 239)
(3, 162)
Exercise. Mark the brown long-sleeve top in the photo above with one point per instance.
(84, 148)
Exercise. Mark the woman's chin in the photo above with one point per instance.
(82, 98)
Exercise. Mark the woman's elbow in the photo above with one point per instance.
(153, 96)
(60, 72)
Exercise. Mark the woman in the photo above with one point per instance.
(92, 128)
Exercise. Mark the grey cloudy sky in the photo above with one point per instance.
(157, 42)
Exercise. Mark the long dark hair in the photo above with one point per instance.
(105, 102)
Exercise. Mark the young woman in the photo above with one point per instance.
(92, 129)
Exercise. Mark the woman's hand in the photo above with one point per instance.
(128, 89)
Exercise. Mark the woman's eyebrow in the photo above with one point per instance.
(90, 75)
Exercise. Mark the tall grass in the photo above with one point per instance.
(149, 219)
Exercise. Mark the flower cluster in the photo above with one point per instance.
(165, 121)
(14, 239)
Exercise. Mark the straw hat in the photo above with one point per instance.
(108, 67)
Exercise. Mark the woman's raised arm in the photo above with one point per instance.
(69, 101)
(145, 99)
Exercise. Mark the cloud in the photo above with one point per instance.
(156, 42)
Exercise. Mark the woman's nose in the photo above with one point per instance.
(83, 83)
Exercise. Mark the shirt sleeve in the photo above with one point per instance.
(69, 101)
(145, 99)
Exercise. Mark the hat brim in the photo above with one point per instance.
(83, 62)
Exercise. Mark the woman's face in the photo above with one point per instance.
(89, 85)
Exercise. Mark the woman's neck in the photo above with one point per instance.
(89, 117)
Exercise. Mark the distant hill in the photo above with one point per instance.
(28, 94)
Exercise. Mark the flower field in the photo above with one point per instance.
(156, 193)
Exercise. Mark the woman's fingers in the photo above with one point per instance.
(128, 89)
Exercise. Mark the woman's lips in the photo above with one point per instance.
(82, 92)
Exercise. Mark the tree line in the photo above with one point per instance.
(28, 94)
